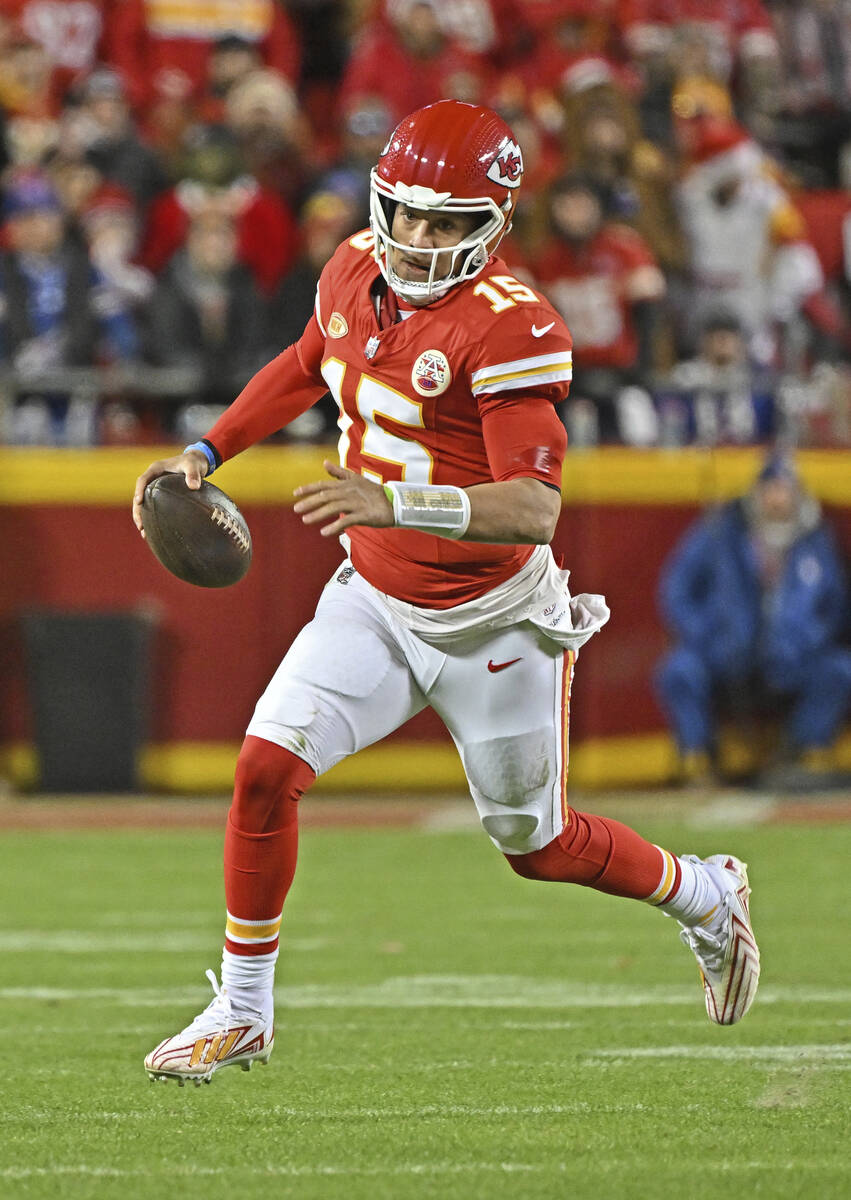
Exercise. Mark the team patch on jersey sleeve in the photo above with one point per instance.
(523, 373)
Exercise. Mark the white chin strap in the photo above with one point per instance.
(468, 257)
(474, 255)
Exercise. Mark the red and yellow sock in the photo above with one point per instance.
(608, 856)
(261, 850)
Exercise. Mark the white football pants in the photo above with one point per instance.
(355, 673)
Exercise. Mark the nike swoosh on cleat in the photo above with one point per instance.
(494, 667)
(536, 332)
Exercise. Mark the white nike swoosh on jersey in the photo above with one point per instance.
(536, 332)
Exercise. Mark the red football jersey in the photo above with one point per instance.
(430, 400)
(460, 392)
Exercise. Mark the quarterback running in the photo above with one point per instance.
(445, 496)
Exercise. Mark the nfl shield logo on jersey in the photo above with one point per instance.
(507, 167)
(431, 374)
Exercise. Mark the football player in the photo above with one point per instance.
(446, 371)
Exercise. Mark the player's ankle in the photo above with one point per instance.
(252, 1002)
(248, 981)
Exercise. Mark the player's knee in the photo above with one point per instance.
(514, 829)
(268, 779)
(511, 781)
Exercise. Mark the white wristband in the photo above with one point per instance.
(430, 507)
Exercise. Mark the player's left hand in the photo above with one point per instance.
(346, 499)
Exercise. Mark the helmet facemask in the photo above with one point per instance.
(467, 258)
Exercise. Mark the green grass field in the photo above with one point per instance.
(445, 1029)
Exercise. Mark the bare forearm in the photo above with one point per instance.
(516, 512)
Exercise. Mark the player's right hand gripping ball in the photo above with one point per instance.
(200, 536)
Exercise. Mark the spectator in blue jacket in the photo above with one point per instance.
(51, 315)
(755, 598)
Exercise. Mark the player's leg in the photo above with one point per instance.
(261, 847)
(261, 837)
(514, 745)
(343, 685)
(708, 897)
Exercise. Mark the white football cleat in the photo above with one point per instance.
(218, 1037)
(725, 947)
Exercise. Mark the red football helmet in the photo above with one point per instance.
(449, 157)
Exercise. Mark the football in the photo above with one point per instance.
(200, 536)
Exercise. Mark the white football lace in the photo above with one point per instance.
(219, 1005)
(709, 947)
(231, 526)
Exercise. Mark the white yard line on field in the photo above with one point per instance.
(836, 1052)
(286, 1170)
(439, 991)
(78, 941)
(321, 1170)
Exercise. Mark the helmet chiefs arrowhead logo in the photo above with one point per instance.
(507, 167)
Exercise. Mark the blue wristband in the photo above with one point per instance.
(207, 452)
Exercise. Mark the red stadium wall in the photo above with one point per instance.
(70, 545)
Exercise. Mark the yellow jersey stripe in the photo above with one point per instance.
(561, 369)
(522, 381)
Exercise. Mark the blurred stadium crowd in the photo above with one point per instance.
(176, 172)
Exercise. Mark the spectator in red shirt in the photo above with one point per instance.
(499, 29)
(407, 61)
(267, 234)
(149, 39)
(574, 47)
(603, 279)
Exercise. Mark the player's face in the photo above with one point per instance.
(422, 230)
